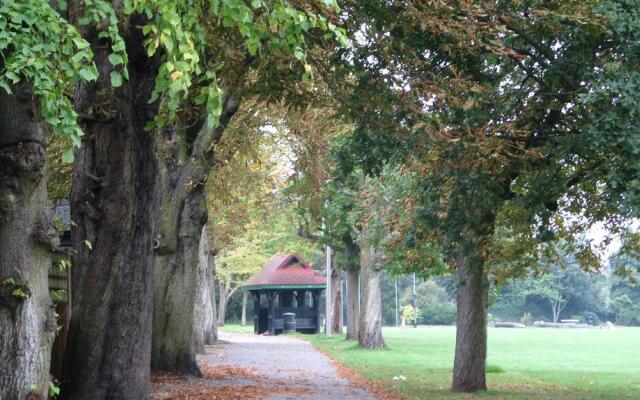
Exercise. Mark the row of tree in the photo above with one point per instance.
(141, 92)
(469, 138)
(480, 138)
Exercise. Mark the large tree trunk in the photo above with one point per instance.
(203, 321)
(353, 298)
(352, 302)
(336, 301)
(27, 239)
(370, 326)
(182, 216)
(109, 345)
(245, 296)
(471, 332)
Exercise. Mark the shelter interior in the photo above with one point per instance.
(271, 305)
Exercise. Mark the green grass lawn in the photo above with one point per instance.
(540, 363)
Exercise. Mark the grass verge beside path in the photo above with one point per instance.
(541, 363)
(232, 328)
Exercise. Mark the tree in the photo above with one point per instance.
(624, 288)
(205, 316)
(180, 63)
(488, 105)
(551, 288)
(433, 303)
(36, 71)
(27, 240)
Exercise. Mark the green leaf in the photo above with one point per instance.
(88, 74)
(67, 156)
(116, 79)
(252, 46)
(88, 244)
(80, 43)
(212, 121)
(115, 59)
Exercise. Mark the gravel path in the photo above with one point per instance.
(281, 360)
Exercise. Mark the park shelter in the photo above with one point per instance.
(286, 284)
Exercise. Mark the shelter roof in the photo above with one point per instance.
(286, 271)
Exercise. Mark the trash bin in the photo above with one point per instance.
(289, 322)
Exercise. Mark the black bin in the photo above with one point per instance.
(289, 322)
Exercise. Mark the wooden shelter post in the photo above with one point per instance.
(256, 310)
(271, 296)
(316, 307)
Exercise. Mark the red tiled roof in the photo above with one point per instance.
(286, 270)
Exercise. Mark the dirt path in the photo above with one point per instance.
(282, 367)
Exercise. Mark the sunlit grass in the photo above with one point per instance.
(232, 328)
(527, 363)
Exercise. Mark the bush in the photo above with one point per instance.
(408, 314)
(438, 314)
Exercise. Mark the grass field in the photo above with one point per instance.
(534, 362)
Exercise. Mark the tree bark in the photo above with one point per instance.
(181, 216)
(370, 326)
(245, 295)
(214, 308)
(353, 299)
(352, 302)
(27, 239)
(203, 322)
(336, 289)
(471, 333)
(109, 344)
(222, 305)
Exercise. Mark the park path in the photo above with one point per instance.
(283, 367)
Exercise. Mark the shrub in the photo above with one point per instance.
(438, 314)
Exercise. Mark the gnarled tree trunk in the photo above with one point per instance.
(370, 326)
(182, 215)
(27, 239)
(471, 332)
(109, 344)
